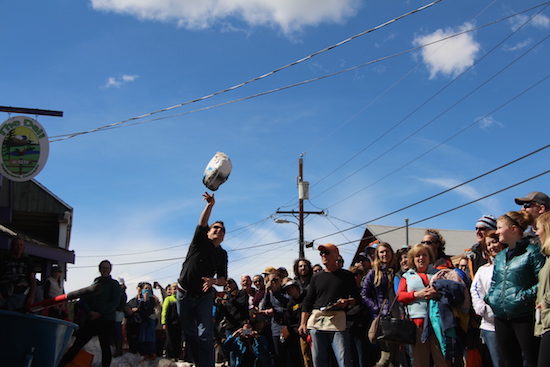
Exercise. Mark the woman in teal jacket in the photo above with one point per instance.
(513, 290)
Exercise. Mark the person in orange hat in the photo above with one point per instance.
(323, 309)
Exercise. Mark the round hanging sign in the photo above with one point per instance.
(25, 148)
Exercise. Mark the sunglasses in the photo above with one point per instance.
(529, 204)
(275, 280)
(481, 229)
(324, 252)
(219, 227)
(428, 242)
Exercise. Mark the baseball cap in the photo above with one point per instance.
(329, 247)
(536, 196)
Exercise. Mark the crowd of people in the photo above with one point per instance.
(488, 307)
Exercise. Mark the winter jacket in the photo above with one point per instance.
(373, 296)
(106, 301)
(542, 325)
(515, 281)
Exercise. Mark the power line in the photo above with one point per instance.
(349, 39)
(57, 138)
(446, 140)
(380, 217)
(444, 212)
(425, 103)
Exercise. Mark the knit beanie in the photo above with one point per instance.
(487, 221)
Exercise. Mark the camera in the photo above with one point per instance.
(246, 331)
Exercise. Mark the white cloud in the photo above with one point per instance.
(468, 192)
(114, 82)
(450, 57)
(289, 15)
(489, 121)
(518, 46)
(539, 21)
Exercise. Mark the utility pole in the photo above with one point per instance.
(303, 194)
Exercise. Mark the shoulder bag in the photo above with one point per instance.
(397, 330)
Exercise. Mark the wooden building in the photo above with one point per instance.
(30, 210)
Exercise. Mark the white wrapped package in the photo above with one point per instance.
(217, 171)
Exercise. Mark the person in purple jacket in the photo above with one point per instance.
(377, 287)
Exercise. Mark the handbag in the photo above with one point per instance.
(374, 329)
(397, 330)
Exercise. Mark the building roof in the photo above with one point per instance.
(456, 240)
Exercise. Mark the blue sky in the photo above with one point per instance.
(376, 138)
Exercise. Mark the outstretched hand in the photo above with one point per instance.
(209, 198)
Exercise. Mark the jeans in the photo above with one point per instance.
(197, 324)
(321, 342)
(490, 338)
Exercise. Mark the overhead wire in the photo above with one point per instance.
(380, 217)
(446, 211)
(446, 140)
(373, 101)
(248, 247)
(62, 137)
(425, 103)
(349, 39)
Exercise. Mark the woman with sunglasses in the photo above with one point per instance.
(377, 287)
(513, 290)
(433, 238)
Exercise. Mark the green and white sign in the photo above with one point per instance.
(25, 148)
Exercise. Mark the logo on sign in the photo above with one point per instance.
(25, 148)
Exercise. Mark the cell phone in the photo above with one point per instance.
(246, 332)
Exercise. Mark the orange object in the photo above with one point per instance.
(82, 359)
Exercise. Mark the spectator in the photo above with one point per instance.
(249, 346)
(480, 286)
(303, 272)
(463, 267)
(170, 324)
(247, 292)
(17, 278)
(259, 283)
(293, 315)
(513, 290)
(475, 253)
(323, 310)
(535, 203)
(542, 326)
(232, 309)
(118, 335)
(433, 238)
(146, 311)
(53, 287)
(133, 319)
(414, 292)
(402, 259)
(358, 319)
(377, 287)
(317, 268)
(274, 307)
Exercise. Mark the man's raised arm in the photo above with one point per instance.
(205, 215)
